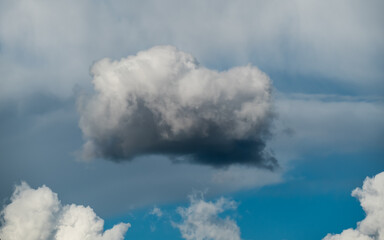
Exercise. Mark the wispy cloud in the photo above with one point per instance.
(343, 42)
(157, 212)
(326, 124)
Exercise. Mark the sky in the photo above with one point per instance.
(191, 120)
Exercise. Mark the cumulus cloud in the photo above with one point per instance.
(201, 221)
(371, 198)
(37, 214)
(161, 101)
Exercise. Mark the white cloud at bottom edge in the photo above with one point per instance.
(37, 214)
(371, 197)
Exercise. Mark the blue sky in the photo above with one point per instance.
(324, 66)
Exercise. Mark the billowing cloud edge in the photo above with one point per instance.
(161, 101)
(37, 214)
(371, 197)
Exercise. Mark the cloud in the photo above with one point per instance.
(161, 101)
(243, 177)
(322, 124)
(371, 198)
(157, 212)
(163, 182)
(201, 221)
(37, 214)
(344, 42)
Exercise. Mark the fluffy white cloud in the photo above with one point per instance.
(162, 101)
(371, 198)
(201, 221)
(37, 214)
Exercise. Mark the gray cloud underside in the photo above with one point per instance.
(24, 126)
(314, 121)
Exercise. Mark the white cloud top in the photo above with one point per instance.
(371, 198)
(37, 214)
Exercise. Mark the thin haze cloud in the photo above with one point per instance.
(341, 40)
(156, 212)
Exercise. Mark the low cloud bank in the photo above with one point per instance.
(161, 101)
(371, 198)
(37, 214)
(201, 220)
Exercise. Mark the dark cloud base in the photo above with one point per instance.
(201, 151)
(142, 135)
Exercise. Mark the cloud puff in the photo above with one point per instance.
(37, 214)
(371, 198)
(157, 212)
(161, 101)
(201, 221)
